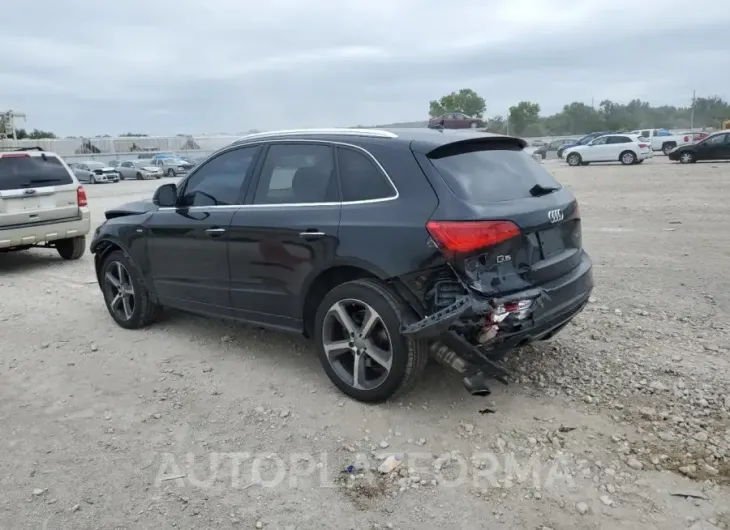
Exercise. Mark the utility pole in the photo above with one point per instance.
(692, 114)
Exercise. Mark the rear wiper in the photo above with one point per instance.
(44, 180)
(538, 190)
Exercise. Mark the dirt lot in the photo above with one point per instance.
(104, 428)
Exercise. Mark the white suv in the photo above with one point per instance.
(41, 204)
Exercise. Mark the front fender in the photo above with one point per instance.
(130, 239)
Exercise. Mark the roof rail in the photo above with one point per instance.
(373, 133)
(35, 148)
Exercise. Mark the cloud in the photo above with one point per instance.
(169, 67)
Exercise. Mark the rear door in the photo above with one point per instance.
(187, 246)
(617, 145)
(35, 188)
(286, 233)
(497, 181)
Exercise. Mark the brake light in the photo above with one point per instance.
(686, 138)
(81, 196)
(643, 145)
(468, 236)
(15, 155)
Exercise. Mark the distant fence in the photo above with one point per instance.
(123, 147)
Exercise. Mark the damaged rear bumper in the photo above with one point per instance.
(505, 322)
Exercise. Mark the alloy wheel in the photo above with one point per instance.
(686, 158)
(628, 158)
(119, 291)
(574, 160)
(357, 344)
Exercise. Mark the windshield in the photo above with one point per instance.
(32, 172)
(95, 165)
(493, 175)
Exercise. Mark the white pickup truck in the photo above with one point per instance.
(662, 139)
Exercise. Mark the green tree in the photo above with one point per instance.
(21, 134)
(522, 115)
(37, 134)
(497, 125)
(465, 100)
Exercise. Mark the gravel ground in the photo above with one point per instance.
(623, 420)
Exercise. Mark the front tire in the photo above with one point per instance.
(574, 159)
(71, 249)
(627, 158)
(357, 333)
(668, 147)
(687, 158)
(92, 180)
(125, 294)
(170, 172)
(139, 176)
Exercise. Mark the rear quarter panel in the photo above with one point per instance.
(390, 235)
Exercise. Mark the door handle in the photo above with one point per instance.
(215, 230)
(311, 234)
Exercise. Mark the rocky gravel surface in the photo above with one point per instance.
(622, 420)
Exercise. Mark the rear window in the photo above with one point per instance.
(492, 175)
(32, 172)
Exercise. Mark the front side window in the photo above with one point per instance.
(717, 139)
(219, 181)
(600, 140)
(297, 174)
(360, 178)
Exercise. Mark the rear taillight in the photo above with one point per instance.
(81, 196)
(15, 155)
(686, 138)
(643, 146)
(469, 236)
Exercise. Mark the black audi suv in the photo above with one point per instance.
(386, 247)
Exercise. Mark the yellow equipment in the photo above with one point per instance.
(726, 125)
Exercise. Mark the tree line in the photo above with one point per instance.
(578, 118)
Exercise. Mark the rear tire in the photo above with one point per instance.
(71, 249)
(627, 158)
(144, 311)
(408, 358)
(92, 180)
(139, 176)
(574, 159)
(687, 158)
(170, 172)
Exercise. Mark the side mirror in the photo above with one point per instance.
(165, 196)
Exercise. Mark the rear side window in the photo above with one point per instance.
(492, 175)
(17, 172)
(360, 178)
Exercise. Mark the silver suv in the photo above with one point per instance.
(41, 204)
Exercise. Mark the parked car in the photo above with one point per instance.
(172, 166)
(662, 139)
(693, 136)
(384, 247)
(41, 204)
(537, 143)
(456, 120)
(95, 172)
(581, 141)
(139, 169)
(715, 147)
(552, 146)
(625, 148)
(114, 163)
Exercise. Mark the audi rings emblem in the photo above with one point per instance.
(555, 216)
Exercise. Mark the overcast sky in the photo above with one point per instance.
(195, 66)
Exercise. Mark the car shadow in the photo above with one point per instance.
(293, 353)
(32, 259)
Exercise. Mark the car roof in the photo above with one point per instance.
(421, 140)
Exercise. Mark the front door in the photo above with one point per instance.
(285, 234)
(713, 148)
(598, 150)
(188, 245)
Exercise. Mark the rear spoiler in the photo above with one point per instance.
(473, 143)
